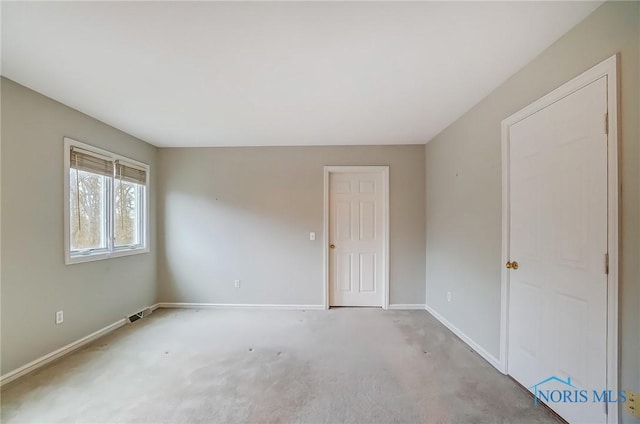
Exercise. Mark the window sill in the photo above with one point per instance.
(77, 259)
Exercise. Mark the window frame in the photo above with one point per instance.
(140, 212)
(111, 251)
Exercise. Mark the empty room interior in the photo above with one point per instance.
(320, 212)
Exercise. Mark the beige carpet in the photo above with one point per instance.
(253, 366)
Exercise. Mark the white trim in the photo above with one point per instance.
(504, 257)
(468, 340)
(407, 306)
(384, 170)
(609, 69)
(105, 255)
(110, 251)
(49, 357)
(184, 305)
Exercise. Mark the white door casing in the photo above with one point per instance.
(559, 310)
(356, 236)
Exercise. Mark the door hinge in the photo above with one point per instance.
(606, 263)
(606, 123)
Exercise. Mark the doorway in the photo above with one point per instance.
(356, 235)
(560, 245)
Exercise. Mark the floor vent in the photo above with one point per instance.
(135, 317)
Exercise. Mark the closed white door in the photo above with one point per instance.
(356, 239)
(558, 237)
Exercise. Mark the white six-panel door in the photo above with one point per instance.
(558, 237)
(356, 260)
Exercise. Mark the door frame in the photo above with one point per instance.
(608, 68)
(384, 171)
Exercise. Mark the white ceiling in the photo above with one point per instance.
(266, 73)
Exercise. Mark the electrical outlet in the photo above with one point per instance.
(632, 405)
(237, 284)
(312, 235)
(59, 317)
(448, 296)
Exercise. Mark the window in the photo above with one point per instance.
(106, 204)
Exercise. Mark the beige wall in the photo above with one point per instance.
(463, 173)
(246, 213)
(35, 281)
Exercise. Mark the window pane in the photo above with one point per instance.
(127, 220)
(88, 210)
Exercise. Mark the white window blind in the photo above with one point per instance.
(129, 173)
(90, 162)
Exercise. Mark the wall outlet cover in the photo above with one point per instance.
(632, 405)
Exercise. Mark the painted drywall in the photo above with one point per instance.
(35, 281)
(463, 182)
(246, 213)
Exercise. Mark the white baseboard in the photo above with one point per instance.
(472, 344)
(236, 306)
(43, 360)
(407, 306)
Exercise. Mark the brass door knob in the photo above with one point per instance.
(332, 246)
(512, 265)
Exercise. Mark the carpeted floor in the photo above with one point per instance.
(265, 366)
